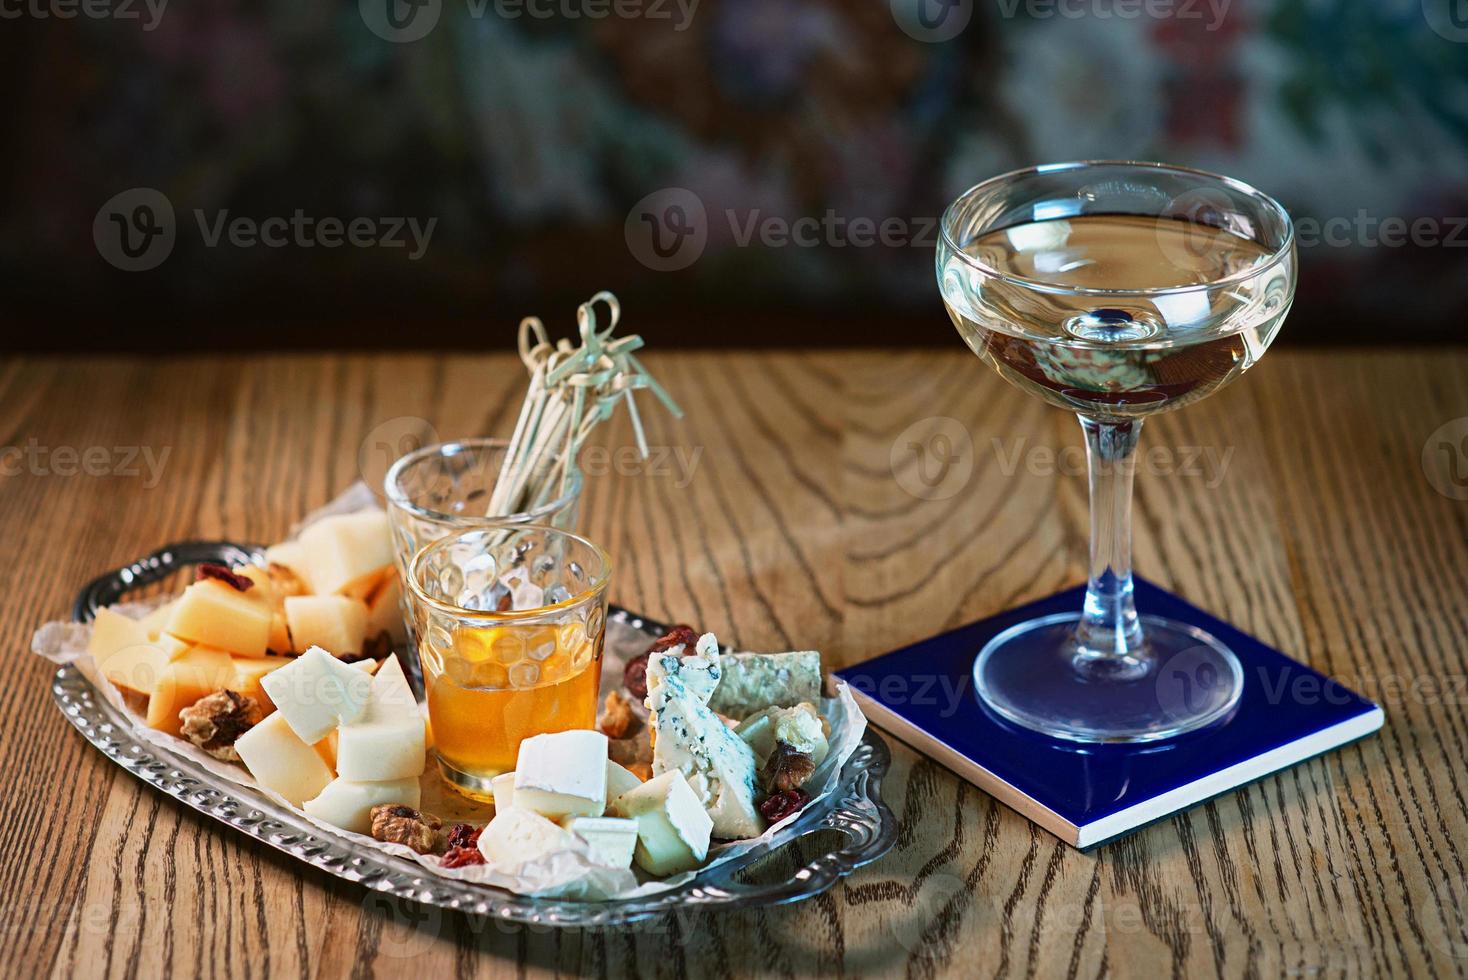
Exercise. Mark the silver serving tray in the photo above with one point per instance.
(865, 828)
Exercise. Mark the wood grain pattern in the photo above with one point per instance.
(1294, 503)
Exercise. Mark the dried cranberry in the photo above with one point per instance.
(681, 635)
(464, 835)
(231, 578)
(458, 857)
(634, 675)
(778, 806)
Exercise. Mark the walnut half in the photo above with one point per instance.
(214, 722)
(788, 768)
(618, 720)
(393, 823)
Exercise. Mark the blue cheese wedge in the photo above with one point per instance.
(562, 774)
(672, 828)
(751, 682)
(719, 766)
(699, 671)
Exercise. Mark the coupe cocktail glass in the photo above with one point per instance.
(1115, 290)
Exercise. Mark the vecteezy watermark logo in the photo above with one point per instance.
(135, 230)
(34, 459)
(400, 21)
(91, 9)
(667, 230)
(925, 924)
(1189, 681)
(1445, 459)
(1447, 18)
(933, 458)
(388, 442)
(1197, 219)
(932, 21)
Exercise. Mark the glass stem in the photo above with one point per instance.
(1109, 637)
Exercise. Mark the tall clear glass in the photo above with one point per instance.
(1116, 290)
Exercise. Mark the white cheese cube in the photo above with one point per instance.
(516, 836)
(612, 839)
(562, 774)
(316, 692)
(112, 632)
(385, 611)
(672, 828)
(339, 549)
(348, 804)
(619, 781)
(718, 764)
(388, 741)
(391, 692)
(281, 762)
(758, 732)
(293, 556)
(502, 788)
(336, 622)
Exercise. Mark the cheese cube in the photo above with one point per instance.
(292, 556)
(264, 589)
(156, 620)
(364, 587)
(758, 732)
(249, 671)
(619, 781)
(196, 674)
(388, 741)
(340, 549)
(316, 692)
(348, 805)
(385, 611)
(281, 762)
(174, 648)
(516, 836)
(219, 615)
(502, 787)
(335, 622)
(612, 839)
(562, 774)
(137, 667)
(672, 828)
(326, 748)
(111, 632)
(280, 633)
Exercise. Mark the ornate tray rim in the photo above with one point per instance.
(855, 810)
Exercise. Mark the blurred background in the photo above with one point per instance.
(221, 174)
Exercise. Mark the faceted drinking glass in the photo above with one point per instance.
(510, 620)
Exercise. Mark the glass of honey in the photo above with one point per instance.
(510, 620)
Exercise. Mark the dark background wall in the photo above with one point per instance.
(546, 140)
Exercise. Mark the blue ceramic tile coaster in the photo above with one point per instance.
(1089, 794)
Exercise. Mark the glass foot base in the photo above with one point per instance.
(1034, 676)
(475, 787)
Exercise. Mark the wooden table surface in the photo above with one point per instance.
(1295, 503)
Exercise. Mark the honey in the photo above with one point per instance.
(497, 686)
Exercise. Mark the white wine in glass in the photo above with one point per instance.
(1115, 290)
